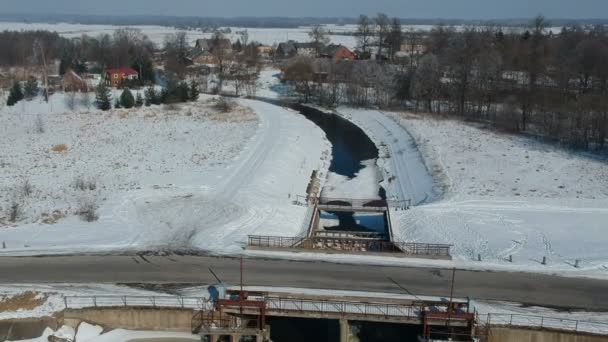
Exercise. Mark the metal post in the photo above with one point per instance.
(451, 296)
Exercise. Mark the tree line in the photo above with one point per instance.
(533, 81)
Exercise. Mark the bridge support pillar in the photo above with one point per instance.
(344, 330)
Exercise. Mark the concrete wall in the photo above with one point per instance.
(529, 335)
(133, 318)
(23, 329)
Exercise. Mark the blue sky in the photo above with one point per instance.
(461, 9)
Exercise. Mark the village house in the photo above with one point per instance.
(338, 53)
(286, 50)
(305, 49)
(202, 58)
(265, 50)
(413, 49)
(208, 44)
(116, 77)
(291, 48)
(72, 82)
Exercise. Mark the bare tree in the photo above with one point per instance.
(382, 33)
(365, 35)
(395, 38)
(176, 53)
(319, 37)
(427, 81)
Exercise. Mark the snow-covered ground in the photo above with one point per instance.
(158, 34)
(91, 334)
(51, 296)
(185, 178)
(494, 196)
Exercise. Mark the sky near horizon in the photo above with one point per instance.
(457, 9)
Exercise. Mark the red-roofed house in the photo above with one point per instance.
(116, 77)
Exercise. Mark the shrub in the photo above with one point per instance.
(14, 211)
(27, 188)
(85, 184)
(139, 101)
(88, 211)
(15, 95)
(31, 88)
(60, 148)
(39, 126)
(224, 105)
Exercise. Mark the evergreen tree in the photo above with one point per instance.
(194, 92)
(139, 101)
(102, 96)
(15, 95)
(126, 99)
(183, 92)
(150, 97)
(164, 96)
(31, 88)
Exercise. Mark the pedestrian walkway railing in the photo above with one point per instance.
(350, 244)
(79, 302)
(303, 306)
(521, 320)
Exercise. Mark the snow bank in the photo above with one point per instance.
(122, 335)
(405, 174)
(87, 332)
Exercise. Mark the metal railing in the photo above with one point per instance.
(275, 241)
(353, 202)
(346, 244)
(428, 249)
(520, 320)
(80, 302)
(303, 306)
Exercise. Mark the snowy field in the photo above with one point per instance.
(266, 36)
(492, 195)
(161, 178)
(157, 34)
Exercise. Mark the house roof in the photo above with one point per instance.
(120, 71)
(332, 49)
(305, 45)
(287, 48)
(207, 43)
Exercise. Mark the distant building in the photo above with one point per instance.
(413, 49)
(286, 50)
(116, 77)
(71, 81)
(198, 57)
(338, 53)
(305, 49)
(208, 44)
(265, 50)
(291, 48)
